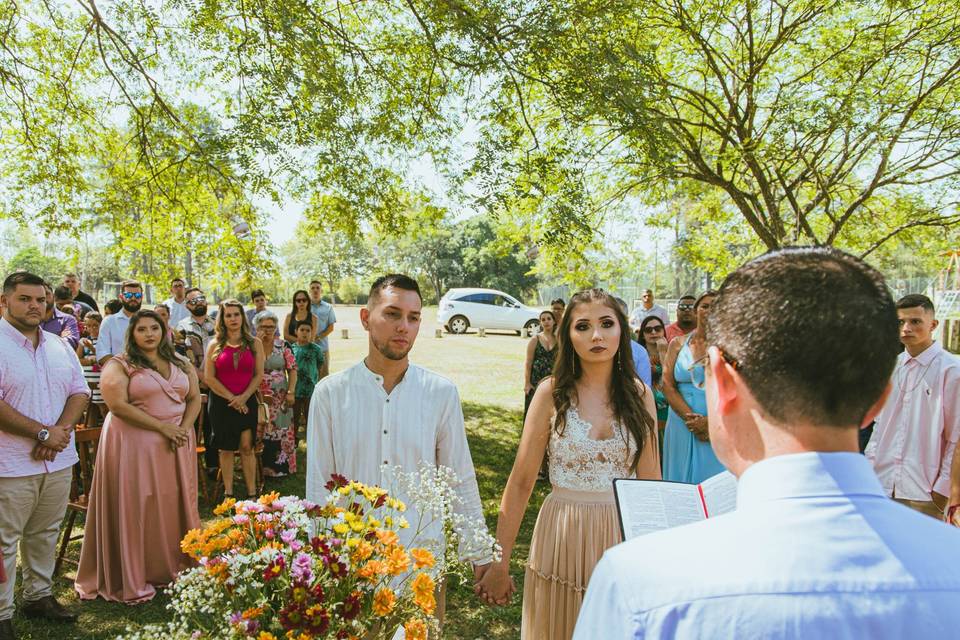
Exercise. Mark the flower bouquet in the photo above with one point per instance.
(286, 568)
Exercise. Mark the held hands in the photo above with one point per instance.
(494, 584)
(697, 424)
(177, 434)
(57, 441)
(239, 403)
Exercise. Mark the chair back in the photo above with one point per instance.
(87, 441)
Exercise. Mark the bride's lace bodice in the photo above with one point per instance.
(582, 463)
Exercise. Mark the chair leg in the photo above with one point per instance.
(202, 476)
(67, 533)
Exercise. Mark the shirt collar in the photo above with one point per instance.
(927, 356)
(377, 379)
(14, 334)
(805, 475)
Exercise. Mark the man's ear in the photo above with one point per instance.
(365, 317)
(934, 325)
(874, 410)
(724, 380)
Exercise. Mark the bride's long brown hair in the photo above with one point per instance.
(625, 398)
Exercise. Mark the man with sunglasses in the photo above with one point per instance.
(686, 318)
(113, 331)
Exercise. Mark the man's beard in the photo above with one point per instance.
(389, 352)
(131, 305)
(200, 310)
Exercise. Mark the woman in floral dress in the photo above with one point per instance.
(279, 437)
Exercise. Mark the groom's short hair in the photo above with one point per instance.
(395, 280)
(811, 330)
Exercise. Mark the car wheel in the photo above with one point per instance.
(531, 324)
(459, 324)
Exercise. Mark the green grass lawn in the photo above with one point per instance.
(488, 372)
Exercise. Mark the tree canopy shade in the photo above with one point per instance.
(812, 121)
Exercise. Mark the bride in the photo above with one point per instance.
(598, 422)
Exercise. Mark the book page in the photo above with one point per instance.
(719, 494)
(646, 506)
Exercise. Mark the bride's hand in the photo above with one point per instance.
(496, 586)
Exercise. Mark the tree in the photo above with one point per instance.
(327, 255)
(809, 116)
(31, 259)
(492, 260)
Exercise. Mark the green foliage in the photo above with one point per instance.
(331, 256)
(31, 259)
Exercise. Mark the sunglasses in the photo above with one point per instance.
(685, 306)
(197, 299)
(127, 295)
(302, 300)
(653, 329)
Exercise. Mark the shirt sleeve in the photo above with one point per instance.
(642, 364)
(332, 317)
(78, 384)
(951, 428)
(74, 331)
(103, 342)
(453, 452)
(604, 613)
(321, 462)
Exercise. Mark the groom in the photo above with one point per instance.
(386, 411)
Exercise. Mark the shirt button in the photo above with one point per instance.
(384, 432)
(385, 462)
(388, 400)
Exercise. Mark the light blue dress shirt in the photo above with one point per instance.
(641, 362)
(113, 333)
(814, 550)
(325, 317)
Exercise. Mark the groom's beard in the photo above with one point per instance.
(389, 352)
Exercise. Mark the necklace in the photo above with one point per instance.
(902, 378)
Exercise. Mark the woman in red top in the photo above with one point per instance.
(233, 368)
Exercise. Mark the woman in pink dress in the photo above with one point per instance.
(144, 494)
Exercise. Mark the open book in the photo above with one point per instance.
(645, 506)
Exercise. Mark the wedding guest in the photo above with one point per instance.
(686, 318)
(163, 311)
(42, 395)
(916, 433)
(233, 369)
(557, 305)
(597, 419)
(259, 299)
(387, 412)
(641, 361)
(687, 454)
(87, 353)
(113, 330)
(299, 314)
(309, 358)
(326, 318)
(647, 308)
(280, 375)
(59, 323)
(176, 303)
(72, 281)
(143, 499)
(815, 549)
(540, 356)
(196, 332)
(63, 297)
(652, 339)
(111, 307)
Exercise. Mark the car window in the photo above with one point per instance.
(501, 301)
(481, 298)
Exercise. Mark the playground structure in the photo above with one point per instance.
(946, 298)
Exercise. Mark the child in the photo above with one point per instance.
(87, 352)
(309, 357)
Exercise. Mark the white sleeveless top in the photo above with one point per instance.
(582, 463)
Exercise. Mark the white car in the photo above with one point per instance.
(461, 309)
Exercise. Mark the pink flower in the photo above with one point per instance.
(241, 518)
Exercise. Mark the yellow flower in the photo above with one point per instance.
(341, 529)
(372, 570)
(383, 601)
(266, 635)
(268, 498)
(225, 506)
(422, 558)
(387, 537)
(403, 524)
(398, 561)
(423, 596)
(415, 630)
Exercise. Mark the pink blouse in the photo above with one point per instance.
(234, 367)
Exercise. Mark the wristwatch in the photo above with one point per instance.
(43, 435)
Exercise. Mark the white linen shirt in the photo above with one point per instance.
(917, 431)
(37, 384)
(178, 311)
(355, 428)
(813, 550)
(113, 334)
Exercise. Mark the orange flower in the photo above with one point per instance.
(422, 558)
(252, 613)
(372, 570)
(415, 630)
(398, 561)
(268, 498)
(383, 601)
(363, 551)
(387, 537)
(266, 635)
(225, 506)
(423, 596)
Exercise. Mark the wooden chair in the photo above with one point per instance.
(87, 441)
(201, 451)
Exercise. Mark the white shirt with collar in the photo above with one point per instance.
(640, 313)
(917, 431)
(355, 429)
(113, 334)
(178, 311)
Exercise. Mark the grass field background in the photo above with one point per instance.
(489, 374)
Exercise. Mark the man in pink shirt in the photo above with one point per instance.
(686, 318)
(42, 395)
(916, 432)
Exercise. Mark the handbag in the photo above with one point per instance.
(263, 409)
